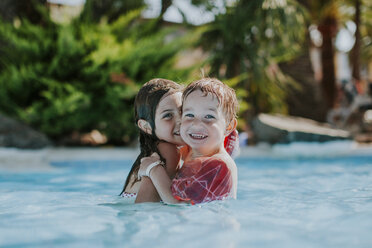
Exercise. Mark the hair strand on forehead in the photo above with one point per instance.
(225, 95)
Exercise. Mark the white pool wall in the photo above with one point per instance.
(19, 159)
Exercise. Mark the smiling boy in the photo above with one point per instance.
(208, 173)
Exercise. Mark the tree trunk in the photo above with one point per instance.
(307, 101)
(355, 55)
(165, 4)
(328, 29)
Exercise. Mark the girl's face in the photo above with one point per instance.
(203, 123)
(168, 118)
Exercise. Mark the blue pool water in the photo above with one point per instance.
(288, 196)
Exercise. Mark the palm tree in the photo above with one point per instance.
(355, 55)
(328, 27)
(249, 40)
(328, 16)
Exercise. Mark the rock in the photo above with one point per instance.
(365, 138)
(18, 135)
(285, 129)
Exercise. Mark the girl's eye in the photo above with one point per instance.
(167, 116)
(210, 117)
(189, 115)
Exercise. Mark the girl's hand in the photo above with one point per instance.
(145, 162)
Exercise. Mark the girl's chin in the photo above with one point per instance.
(179, 142)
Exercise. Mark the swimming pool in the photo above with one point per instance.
(300, 195)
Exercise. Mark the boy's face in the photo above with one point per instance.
(203, 123)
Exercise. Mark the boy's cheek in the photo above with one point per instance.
(185, 124)
(185, 120)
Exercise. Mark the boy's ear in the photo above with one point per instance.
(144, 126)
(231, 126)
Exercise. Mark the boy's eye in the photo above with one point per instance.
(189, 115)
(210, 117)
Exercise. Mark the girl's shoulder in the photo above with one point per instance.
(132, 187)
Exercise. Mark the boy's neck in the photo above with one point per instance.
(197, 153)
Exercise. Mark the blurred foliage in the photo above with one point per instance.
(248, 41)
(347, 14)
(30, 9)
(95, 10)
(366, 31)
(344, 12)
(330, 16)
(83, 76)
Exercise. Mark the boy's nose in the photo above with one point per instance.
(196, 121)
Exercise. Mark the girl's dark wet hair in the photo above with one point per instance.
(145, 105)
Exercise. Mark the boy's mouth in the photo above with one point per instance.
(197, 136)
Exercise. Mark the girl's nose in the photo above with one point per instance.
(178, 123)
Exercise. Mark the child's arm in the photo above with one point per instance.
(162, 183)
(147, 191)
(159, 178)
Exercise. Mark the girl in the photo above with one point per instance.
(157, 116)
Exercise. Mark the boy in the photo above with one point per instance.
(208, 173)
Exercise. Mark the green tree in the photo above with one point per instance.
(95, 10)
(10, 9)
(248, 41)
(366, 31)
(78, 77)
(325, 15)
(329, 16)
(361, 53)
(357, 46)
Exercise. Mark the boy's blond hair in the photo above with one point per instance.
(226, 96)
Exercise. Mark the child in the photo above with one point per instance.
(157, 116)
(208, 173)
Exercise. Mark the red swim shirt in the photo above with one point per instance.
(202, 180)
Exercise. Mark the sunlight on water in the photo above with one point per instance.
(288, 196)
